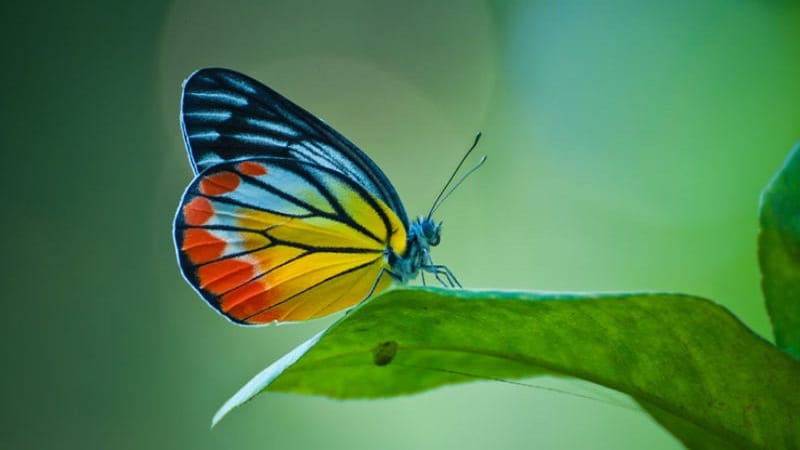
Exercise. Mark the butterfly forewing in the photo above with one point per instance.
(276, 239)
(229, 116)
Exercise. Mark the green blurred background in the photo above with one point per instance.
(628, 142)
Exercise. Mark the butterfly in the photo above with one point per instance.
(287, 220)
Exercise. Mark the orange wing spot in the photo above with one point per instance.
(201, 246)
(251, 168)
(222, 276)
(268, 316)
(248, 299)
(198, 211)
(219, 183)
(261, 308)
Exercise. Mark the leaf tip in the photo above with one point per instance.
(261, 381)
(222, 412)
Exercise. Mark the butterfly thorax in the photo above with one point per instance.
(423, 234)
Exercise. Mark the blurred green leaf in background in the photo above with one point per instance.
(779, 251)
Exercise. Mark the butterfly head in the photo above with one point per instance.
(425, 232)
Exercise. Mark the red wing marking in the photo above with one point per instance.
(222, 276)
(251, 168)
(198, 211)
(201, 246)
(219, 183)
(250, 298)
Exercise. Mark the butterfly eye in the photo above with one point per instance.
(431, 232)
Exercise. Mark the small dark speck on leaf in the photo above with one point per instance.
(384, 353)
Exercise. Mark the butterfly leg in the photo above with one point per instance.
(384, 271)
(375, 284)
(450, 276)
(443, 275)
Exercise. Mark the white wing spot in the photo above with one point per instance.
(215, 116)
(272, 126)
(205, 136)
(209, 159)
(257, 139)
(221, 97)
(240, 84)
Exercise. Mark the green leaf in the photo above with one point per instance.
(706, 375)
(779, 252)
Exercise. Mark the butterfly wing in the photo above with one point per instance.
(278, 239)
(226, 116)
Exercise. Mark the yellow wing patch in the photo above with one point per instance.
(262, 242)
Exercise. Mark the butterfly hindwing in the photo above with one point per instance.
(228, 116)
(277, 239)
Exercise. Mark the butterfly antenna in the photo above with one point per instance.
(458, 183)
(439, 198)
